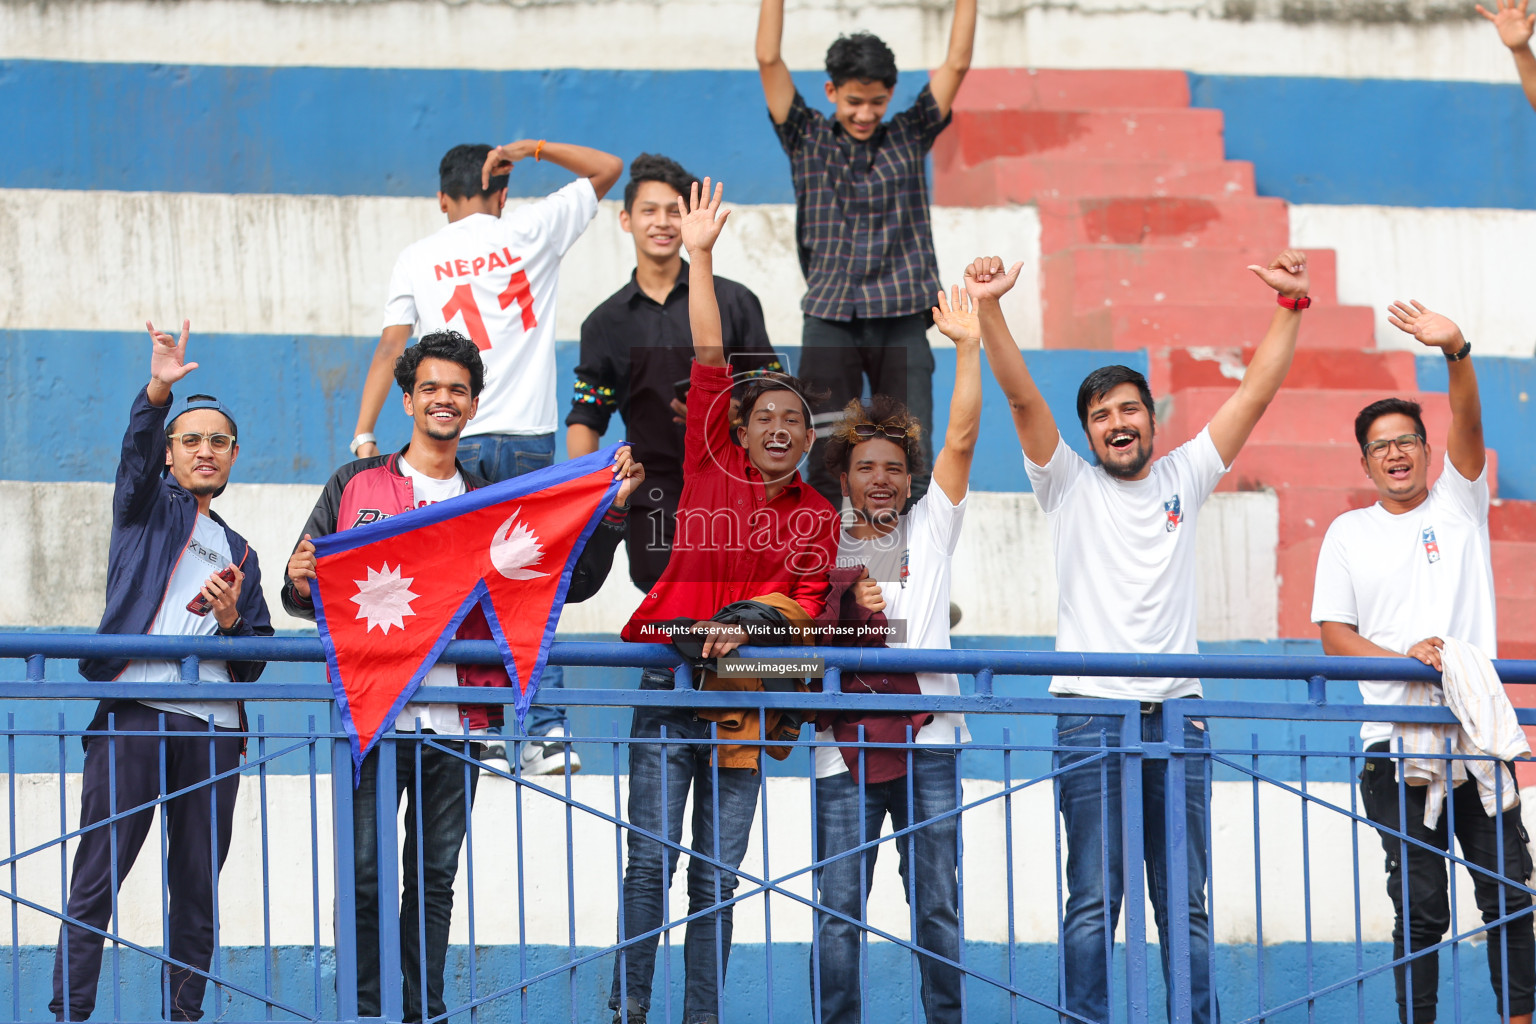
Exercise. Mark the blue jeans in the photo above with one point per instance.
(498, 457)
(439, 795)
(1090, 802)
(932, 890)
(660, 776)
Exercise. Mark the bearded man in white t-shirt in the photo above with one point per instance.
(1124, 537)
(875, 450)
(1393, 580)
(493, 275)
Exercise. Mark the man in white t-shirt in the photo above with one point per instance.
(1392, 581)
(493, 275)
(876, 450)
(1123, 531)
(168, 548)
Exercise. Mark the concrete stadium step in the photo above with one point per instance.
(1296, 567)
(1130, 326)
(1056, 89)
(1184, 134)
(1512, 576)
(1284, 465)
(1310, 368)
(1512, 520)
(1087, 279)
(1298, 415)
(1247, 222)
(1306, 512)
(1007, 180)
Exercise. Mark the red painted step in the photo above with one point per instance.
(1055, 89)
(1283, 465)
(1128, 327)
(1512, 575)
(1306, 512)
(1084, 278)
(1184, 134)
(1299, 415)
(1310, 368)
(1002, 181)
(1296, 567)
(1512, 520)
(1256, 223)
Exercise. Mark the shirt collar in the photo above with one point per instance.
(631, 291)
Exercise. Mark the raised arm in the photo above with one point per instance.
(381, 377)
(956, 317)
(1235, 420)
(986, 283)
(945, 80)
(1464, 444)
(702, 222)
(1515, 27)
(583, 161)
(778, 87)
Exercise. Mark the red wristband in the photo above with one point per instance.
(1296, 304)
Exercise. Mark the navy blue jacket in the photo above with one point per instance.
(152, 520)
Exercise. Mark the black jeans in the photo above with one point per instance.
(1429, 909)
(893, 352)
(192, 862)
(443, 793)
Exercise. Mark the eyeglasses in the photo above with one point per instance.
(1406, 443)
(192, 441)
(865, 431)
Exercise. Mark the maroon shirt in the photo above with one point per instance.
(732, 544)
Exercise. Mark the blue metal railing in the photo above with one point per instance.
(504, 990)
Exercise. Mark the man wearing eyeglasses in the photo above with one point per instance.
(168, 552)
(1392, 581)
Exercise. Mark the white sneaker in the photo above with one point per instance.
(548, 755)
(494, 758)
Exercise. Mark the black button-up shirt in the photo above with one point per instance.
(861, 211)
(634, 351)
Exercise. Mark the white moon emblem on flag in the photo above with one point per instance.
(514, 547)
(384, 598)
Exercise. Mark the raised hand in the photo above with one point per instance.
(500, 159)
(703, 219)
(167, 361)
(1514, 24)
(1286, 273)
(1430, 328)
(301, 566)
(985, 278)
(955, 317)
(630, 472)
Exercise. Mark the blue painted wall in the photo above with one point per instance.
(1508, 389)
(1392, 143)
(296, 400)
(373, 131)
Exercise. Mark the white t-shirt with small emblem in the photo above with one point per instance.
(206, 553)
(496, 281)
(1400, 579)
(1125, 561)
(438, 718)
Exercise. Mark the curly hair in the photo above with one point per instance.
(760, 384)
(881, 411)
(446, 345)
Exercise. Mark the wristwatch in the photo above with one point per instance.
(360, 440)
(1462, 353)
(1299, 303)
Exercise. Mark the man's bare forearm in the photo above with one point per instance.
(580, 440)
(704, 310)
(381, 374)
(585, 162)
(1525, 64)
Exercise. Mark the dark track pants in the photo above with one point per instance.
(197, 824)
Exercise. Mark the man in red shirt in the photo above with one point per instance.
(747, 526)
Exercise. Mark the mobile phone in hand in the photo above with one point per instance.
(200, 605)
(680, 389)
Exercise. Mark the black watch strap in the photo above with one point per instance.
(1466, 350)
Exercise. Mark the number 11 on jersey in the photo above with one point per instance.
(462, 302)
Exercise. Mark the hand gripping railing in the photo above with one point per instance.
(984, 666)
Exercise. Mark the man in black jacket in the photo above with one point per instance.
(164, 578)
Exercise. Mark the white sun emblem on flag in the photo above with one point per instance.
(384, 599)
(514, 547)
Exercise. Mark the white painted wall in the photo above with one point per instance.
(591, 840)
(1004, 576)
(1475, 266)
(1434, 39)
(262, 264)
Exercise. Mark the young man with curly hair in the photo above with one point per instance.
(875, 452)
(861, 219)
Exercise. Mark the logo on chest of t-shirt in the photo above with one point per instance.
(1175, 513)
(1431, 548)
(206, 554)
(369, 515)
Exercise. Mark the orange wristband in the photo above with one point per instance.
(538, 149)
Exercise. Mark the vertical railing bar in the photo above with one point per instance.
(314, 854)
(1207, 787)
(522, 886)
(767, 872)
(911, 843)
(863, 877)
(666, 894)
(621, 969)
(386, 802)
(344, 924)
(1498, 836)
(1176, 816)
(1061, 884)
(1258, 877)
(1450, 877)
(1013, 968)
(1133, 831)
(469, 766)
(1402, 824)
(213, 863)
(816, 883)
(1354, 864)
(960, 864)
(10, 775)
(266, 873)
(1306, 880)
(418, 751)
(714, 770)
(64, 859)
(116, 882)
(570, 886)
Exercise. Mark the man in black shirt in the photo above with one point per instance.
(635, 353)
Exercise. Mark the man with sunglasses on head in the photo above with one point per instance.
(875, 453)
(174, 569)
(1392, 581)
